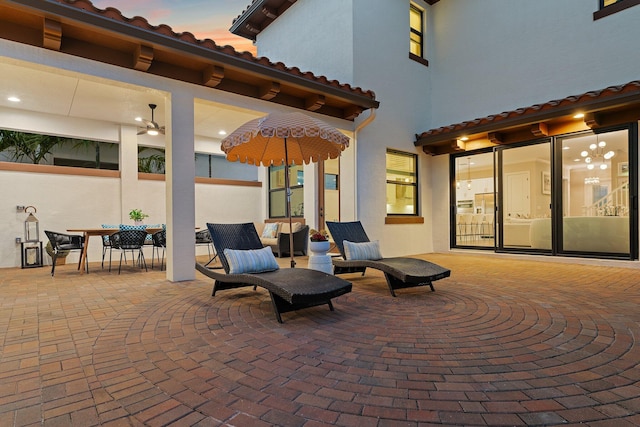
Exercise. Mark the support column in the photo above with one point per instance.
(180, 187)
(129, 197)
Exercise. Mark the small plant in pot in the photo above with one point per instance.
(318, 236)
(319, 241)
(137, 215)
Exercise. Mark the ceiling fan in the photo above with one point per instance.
(152, 127)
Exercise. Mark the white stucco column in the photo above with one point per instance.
(180, 171)
(129, 173)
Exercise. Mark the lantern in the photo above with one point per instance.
(31, 226)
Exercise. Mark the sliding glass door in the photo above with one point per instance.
(595, 202)
(570, 195)
(524, 194)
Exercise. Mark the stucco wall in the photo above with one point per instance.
(492, 56)
(365, 43)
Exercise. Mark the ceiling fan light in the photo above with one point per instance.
(152, 132)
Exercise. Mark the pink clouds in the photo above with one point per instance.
(204, 19)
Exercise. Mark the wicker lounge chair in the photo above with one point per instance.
(290, 289)
(400, 272)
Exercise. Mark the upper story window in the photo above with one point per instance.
(416, 34)
(416, 22)
(609, 7)
(402, 183)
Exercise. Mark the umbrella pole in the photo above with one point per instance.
(287, 184)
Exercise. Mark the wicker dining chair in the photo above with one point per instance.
(129, 240)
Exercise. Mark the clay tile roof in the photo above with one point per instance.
(593, 99)
(166, 30)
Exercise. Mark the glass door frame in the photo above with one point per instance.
(557, 195)
(556, 203)
(500, 202)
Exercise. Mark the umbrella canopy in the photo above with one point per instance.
(261, 141)
(284, 138)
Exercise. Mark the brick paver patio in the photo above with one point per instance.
(501, 342)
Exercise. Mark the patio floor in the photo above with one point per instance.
(501, 342)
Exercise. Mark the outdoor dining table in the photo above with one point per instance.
(88, 232)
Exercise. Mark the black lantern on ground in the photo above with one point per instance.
(31, 226)
(31, 253)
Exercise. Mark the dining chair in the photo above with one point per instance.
(128, 240)
(159, 239)
(204, 238)
(61, 242)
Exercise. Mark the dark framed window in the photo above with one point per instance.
(278, 194)
(609, 7)
(416, 37)
(34, 148)
(217, 166)
(402, 183)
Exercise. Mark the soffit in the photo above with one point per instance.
(78, 28)
(606, 107)
(261, 13)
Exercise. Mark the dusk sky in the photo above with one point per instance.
(203, 18)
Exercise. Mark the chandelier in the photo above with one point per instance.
(597, 152)
(592, 180)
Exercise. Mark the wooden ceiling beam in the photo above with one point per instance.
(496, 137)
(269, 91)
(51, 34)
(314, 102)
(143, 57)
(539, 129)
(213, 75)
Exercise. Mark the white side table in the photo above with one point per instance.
(319, 260)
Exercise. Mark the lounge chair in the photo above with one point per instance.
(400, 272)
(290, 288)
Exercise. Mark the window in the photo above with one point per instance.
(278, 195)
(609, 7)
(416, 23)
(217, 166)
(151, 160)
(24, 147)
(402, 183)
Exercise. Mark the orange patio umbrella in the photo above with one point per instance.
(284, 139)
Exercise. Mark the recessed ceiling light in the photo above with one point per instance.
(138, 119)
(222, 132)
(13, 99)
(565, 148)
(464, 138)
(578, 116)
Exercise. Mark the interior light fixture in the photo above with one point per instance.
(457, 173)
(464, 138)
(152, 132)
(597, 151)
(578, 116)
(138, 119)
(13, 99)
(469, 173)
(222, 132)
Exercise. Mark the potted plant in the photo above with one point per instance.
(137, 215)
(319, 242)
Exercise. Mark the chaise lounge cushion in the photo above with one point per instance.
(362, 251)
(251, 260)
